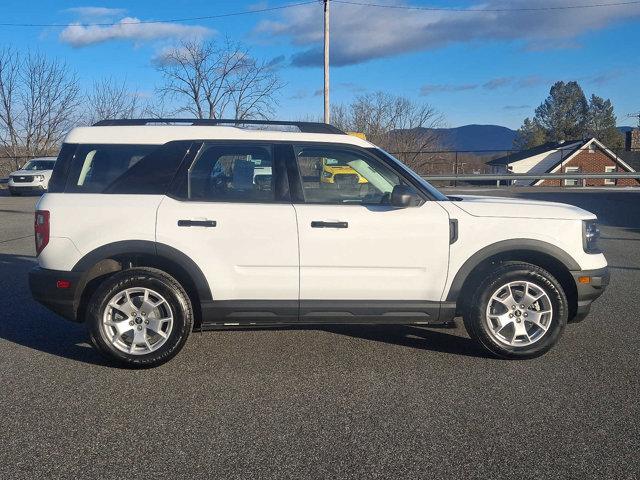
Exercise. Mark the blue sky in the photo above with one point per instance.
(474, 67)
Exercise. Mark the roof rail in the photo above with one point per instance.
(305, 127)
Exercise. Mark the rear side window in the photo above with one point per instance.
(108, 168)
(232, 173)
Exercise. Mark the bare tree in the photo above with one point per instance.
(397, 124)
(253, 88)
(39, 98)
(212, 80)
(110, 99)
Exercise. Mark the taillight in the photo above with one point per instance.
(41, 230)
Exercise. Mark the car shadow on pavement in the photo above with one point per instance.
(424, 338)
(25, 322)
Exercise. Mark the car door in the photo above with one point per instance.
(359, 256)
(231, 214)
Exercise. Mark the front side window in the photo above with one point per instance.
(342, 176)
(232, 173)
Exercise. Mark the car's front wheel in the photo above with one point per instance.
(517, 311)
(140, 317)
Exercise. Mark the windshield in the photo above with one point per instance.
(433, 191)
(39, 165)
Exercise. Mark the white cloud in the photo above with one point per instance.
(130, 28)
(96, 12)
(429, 89)
(516, 107)
(362, 33)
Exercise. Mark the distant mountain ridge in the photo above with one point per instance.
(480, 137)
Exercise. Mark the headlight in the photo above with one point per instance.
(327, 174)
(39, 178)
(590, 235)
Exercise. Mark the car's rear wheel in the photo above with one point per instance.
(140, 317)
(518, 311)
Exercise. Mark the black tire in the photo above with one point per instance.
(158, 281)
(474, 317)
(13, 193)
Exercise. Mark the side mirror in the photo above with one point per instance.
(404, 196)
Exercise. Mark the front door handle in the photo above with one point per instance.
(197, 223)
(319, 224)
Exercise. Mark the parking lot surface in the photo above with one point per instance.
(336, 402)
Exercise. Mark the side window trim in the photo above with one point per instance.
(179, 179)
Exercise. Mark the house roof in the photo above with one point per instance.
(568, 147)
(631, 158)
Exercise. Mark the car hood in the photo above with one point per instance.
(479, 206)
(31, 172)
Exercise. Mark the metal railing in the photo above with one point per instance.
(511, 177)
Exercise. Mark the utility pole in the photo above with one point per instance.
(327, 113)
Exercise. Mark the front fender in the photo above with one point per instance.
(505, 246)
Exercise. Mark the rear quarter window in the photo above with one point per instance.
(131, 169)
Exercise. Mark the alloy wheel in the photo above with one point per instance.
(519, 314)
(137, 321)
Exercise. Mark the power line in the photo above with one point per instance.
(169, 20)
(480, 10)
(345, 2)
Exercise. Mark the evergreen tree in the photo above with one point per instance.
(564, 113)
(602, 122)
(529, 135)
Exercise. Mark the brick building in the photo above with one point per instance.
(632, 140)
(576, 156)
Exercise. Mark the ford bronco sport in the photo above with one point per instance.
(152, 228)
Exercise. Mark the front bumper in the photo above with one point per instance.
(588, 292)
(26, 188)
(45, 289)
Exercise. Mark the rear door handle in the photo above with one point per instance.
(197, 223)
(319, 224)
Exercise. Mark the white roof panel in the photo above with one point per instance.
(161, 134)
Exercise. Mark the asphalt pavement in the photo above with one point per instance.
(336, 402)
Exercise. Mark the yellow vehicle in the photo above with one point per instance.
(338, 172)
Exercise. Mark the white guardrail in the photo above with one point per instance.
(525, 176)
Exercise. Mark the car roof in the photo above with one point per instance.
(161, 134)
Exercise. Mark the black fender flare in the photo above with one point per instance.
(504, 246)
(145, 247)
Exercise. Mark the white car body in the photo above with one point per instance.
(30, 180)
(288, 262)
(381, 258)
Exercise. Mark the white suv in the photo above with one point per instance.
(32, 177)
(150, 230)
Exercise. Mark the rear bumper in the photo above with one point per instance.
(44, 288)
(588, 292)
